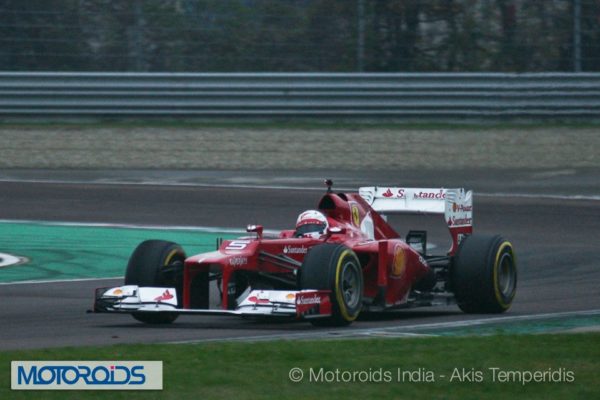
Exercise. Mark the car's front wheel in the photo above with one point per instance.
(334, 267)
(156, 263)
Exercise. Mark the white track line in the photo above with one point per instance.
(166, 183)
(59, 281)
(203, 229)
(541, 196)
(278, 187)
(354, 333)
(9, 260)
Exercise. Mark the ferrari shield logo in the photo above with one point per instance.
(399, 262)
(355, 215)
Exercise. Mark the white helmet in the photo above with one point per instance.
(311, 223)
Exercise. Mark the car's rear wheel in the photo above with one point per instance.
(484, 274)
(156, 263)
(334, 267)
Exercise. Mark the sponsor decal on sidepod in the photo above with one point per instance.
(295, 250)
(238, 261)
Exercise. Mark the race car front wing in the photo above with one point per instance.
(280, 303)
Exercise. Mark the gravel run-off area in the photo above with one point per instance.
(225, 148)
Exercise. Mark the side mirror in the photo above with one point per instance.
(258, 229)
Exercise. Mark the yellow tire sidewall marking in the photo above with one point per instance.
(338, 292)
(170, 257)
(499, 297)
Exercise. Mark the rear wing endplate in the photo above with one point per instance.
(455, 204)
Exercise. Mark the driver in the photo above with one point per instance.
(311, 223)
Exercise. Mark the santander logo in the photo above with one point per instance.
(295, 250)
(438, 195)
(314, 299)
(399, 193)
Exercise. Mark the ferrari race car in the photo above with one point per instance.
(342, 258)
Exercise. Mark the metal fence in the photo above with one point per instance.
(399, 95)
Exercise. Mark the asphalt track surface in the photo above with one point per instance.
(552, 217)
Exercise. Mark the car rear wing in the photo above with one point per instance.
(455, 204)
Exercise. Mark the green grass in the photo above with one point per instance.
(261, 370)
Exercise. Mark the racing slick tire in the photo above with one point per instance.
(334, 267)
(156, 263)
(484, 274)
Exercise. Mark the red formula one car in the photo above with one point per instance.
(341, 259)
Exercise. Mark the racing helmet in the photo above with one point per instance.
(311, 223)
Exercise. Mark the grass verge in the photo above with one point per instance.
(490, 367)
